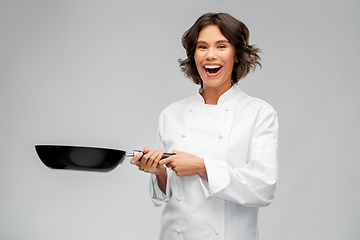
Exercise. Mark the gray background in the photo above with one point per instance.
(98, 73)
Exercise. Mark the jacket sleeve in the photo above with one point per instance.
(254, 184)
(157, 196)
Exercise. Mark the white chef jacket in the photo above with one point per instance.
(238, 140)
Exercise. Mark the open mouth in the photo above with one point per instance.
(212, 69)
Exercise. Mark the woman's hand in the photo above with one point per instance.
(149, 161)
(185, 164)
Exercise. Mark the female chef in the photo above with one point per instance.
(225, 142)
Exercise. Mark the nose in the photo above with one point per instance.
(211, 54)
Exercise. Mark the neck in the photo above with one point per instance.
(211, 95)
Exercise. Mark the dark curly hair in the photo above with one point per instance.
(236, 33)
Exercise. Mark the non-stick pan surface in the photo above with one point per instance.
(82, 158)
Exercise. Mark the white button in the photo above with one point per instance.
(179, 198)
(190, 109)
(220, 136)
(183, 135)
(216, 232)
(178, 230)
(227, 109)
(216, 199)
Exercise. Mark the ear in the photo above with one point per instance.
(236, 59)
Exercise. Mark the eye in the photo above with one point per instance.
(201, 47)
(221, 46)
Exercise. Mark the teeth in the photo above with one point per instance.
(212, 66)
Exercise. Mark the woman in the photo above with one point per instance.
(225, 142)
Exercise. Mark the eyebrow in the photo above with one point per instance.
(220, 41)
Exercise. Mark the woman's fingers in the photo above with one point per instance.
(135, 159)
(145, 159)
(138, 156)
(170, 165)
(170, 159)
(146, 150)
(176, 151)
(165, 161)
(149, 159)
(154, 162)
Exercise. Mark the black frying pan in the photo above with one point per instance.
(83, 158)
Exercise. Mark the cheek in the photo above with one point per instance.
(197, 59)
(230, 60)
(231, 64)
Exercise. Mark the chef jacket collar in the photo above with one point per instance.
(225, 98)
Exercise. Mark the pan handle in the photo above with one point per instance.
(165, 155)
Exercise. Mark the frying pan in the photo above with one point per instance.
(94, 159)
